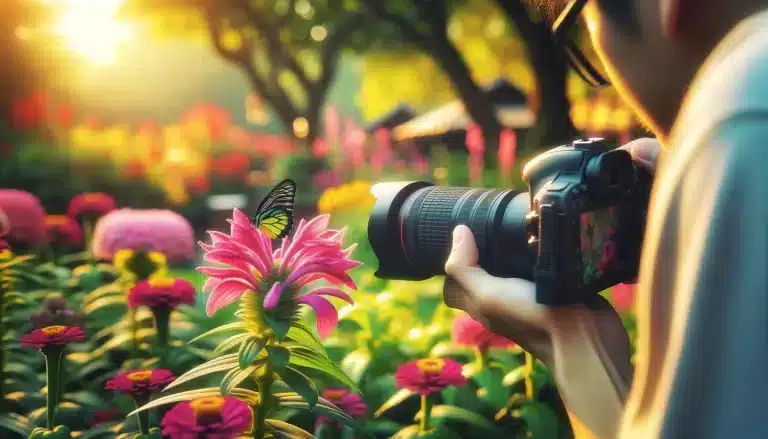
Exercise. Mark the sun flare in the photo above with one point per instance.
(90, 28)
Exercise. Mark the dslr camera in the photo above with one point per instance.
(577, 232)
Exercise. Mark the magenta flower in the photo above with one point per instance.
(49, 336)
(351, 403)
(63, 230)
(211, 418)
(279, 279)
(430, 375)
(469, 332)
(155, 230)
(623, 297)
(162, 293)
(92, 205)
(140, 383)
(26, 217)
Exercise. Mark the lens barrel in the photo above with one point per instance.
(411, 227)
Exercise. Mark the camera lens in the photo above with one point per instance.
(411, 227)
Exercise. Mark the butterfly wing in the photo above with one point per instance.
(275, 213)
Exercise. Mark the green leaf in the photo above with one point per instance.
(287, 430)
(305, 357)
(220, 364)
(301, 384)
(236, 376)
(302, 334)
(248, 396)
(478, 424)
(541, 420)
(105, 302)
(322, 408)
(249, 350)
(355, 364)
(514, 376)
(279, 325)
(236, 326)
(409, 432)
(490, 379)
(231, 343)
(16, 423)
(395, 400)
(278, 356)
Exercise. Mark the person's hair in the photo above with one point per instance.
(621, 12)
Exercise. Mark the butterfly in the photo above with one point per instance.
(274, 215)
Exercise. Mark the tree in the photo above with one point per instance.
(289, 50)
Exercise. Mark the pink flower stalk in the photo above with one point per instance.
(332, 125)
(52, 336)
(474, 140)
(140, 383)
(623, 297)
(430, 375)
(211, 418)
(157, 230)
(279, 277)
(92, 205)
(162, 293)
(350, 403)
(25, 217)
(63, 230)
(469, 332)
(507, 150)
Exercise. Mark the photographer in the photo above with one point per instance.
(696, 72)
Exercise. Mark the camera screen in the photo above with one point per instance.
(598, 243)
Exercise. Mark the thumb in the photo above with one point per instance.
(463, 251)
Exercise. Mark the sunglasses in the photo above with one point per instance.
(576, 58)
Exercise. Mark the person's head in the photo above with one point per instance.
(652, 49)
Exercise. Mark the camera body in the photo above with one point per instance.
(577, 232)
(586, 220)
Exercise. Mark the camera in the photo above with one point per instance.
(577, 232)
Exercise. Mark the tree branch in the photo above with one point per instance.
(377, 8)
(435, 14)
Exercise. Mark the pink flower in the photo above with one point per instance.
(623, 297)
(279, 277)
(211, 418)
(63, 230)
(140, 382)
(104, 416)
(26, 217)
(92, 205)
(167, 293)
(57, 335)
(351, 403)
(469, 332)
(430, 375)
(156, 230)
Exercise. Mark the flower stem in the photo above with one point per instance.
(426, 413)
(88, 237)
(134, 332)
(53, 358)
(142, 417)
(162, 328)
(481, 354)
(530, 389)
(265, 403)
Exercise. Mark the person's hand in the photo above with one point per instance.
(508, 306)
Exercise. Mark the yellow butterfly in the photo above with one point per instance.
(274, 215)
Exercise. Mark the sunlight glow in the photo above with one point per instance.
(90, 28)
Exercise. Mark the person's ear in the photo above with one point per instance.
(670, 17)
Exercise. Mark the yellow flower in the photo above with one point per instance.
(122, 257)
(6, 255)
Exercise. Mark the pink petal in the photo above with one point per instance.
(225, 294)
(333, 292)
(211, 283)
(226, 272)
(325, 314)
(273, 296)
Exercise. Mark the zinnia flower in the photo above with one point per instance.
(153, 230)
(469, 332)
(277, 279)
(430, 375)
(49, 336)
(140, 382)
(139, 263)
(351, 403)
(63, 230)
(211, 418)
(26, 217)
(104, 416)
(161, 292)
(92, 205)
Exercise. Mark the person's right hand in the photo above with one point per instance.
(508, 306)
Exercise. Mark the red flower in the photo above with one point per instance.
(351, 403)
(104, 416)
(140, 382)
(25, 215)
(167, 293)
(52, 336)
(94, 205)
(211, 418)
(430, 375)
(63, 230)
(469, 332)
(623, 297)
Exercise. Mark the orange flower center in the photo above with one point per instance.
(92, 198)
(431, 365)
(140, 376)
(208, 408)
(56, 220)
(335, 394)
(5, 254)
(52, 331)
(162, 282)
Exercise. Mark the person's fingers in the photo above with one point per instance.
(645, 152)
